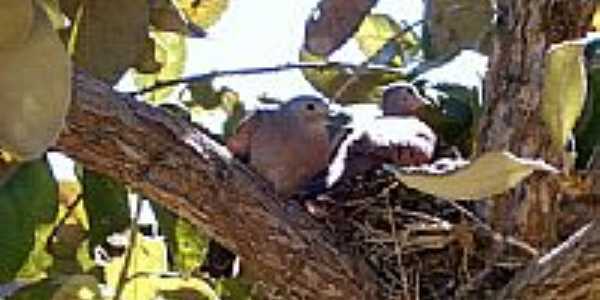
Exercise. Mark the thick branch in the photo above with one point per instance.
(569, 271)
(174, 163)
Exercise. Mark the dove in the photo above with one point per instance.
(405, 141)
(288, 146)
(394, 134)
(401, 100)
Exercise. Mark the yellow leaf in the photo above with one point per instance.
(146, 273)
(172, 284)
(347, 86)
(52, 9)
(376, 30)
(492, 173)
(148, 256)
(564, 92)
(203, 13)
(596, 19)
(170, 52)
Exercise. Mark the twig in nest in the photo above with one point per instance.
(496, 236)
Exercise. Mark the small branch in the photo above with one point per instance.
(497, 237)
(370, 60)
(368, 65)
(133, 232)
(70, 208)
(568, 271)
(262, 70)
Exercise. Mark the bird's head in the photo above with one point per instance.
(401, 100)
(308, 108)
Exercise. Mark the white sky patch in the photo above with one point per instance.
(267, 33)
(255, 34)
(468, 68)
(212, 120)
(63, 167)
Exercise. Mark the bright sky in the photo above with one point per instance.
(268, 33)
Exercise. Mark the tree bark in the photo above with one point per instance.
(570, 271)
(512, 120)
(176, 164)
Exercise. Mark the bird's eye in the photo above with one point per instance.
(310, 106)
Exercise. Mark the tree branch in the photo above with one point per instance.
(179, 166)
(271, 69)
(569, 271)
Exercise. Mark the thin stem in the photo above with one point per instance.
(70, 208)
(129, 253)
(261, 70)
(372, 58)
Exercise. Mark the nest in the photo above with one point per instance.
(418, 247)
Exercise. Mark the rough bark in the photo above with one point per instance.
(512, 121)
(176, 164)
(569, 271)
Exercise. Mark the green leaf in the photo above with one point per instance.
(28, 201)
(564, 91)
(16, 22)
(105, 202)
(165, 16)
(491, 174)
(188, 245)
(191, 246)
(146, 61)
(203, 13)
(347, 87)
(108, 36)
(587, 130)
(79, 287)
(204, 95)
(17, 240)
(453, 115)
(43, 289)
(378, 31)
(171, 54)
(35, 83)
(39, 259)
(588, 136)
(234, 289)
(235, 114)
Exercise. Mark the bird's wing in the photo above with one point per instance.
(239, 142)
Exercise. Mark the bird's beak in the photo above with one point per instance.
(338, 119)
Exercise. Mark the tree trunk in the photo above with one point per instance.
(512, 120)
(179, 166)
